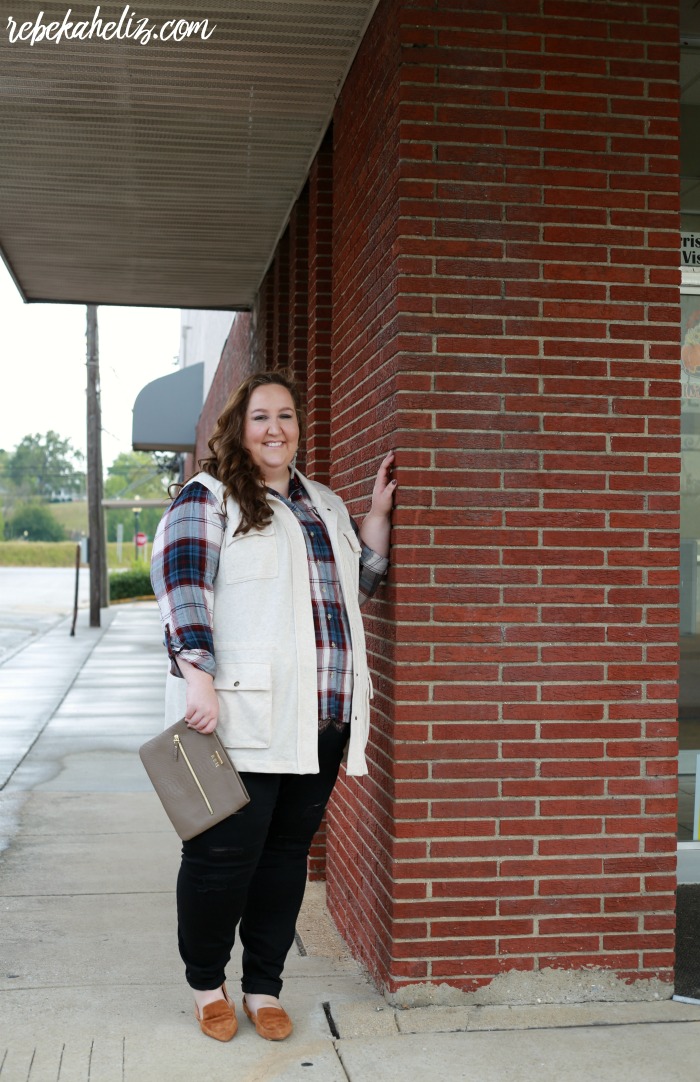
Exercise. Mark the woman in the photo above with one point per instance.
(259, 574)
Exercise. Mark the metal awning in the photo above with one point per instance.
(166, 411)
(163, 173)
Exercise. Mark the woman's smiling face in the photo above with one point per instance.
(271, 430)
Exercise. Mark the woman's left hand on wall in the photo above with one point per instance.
(376, 526)
(384, 487)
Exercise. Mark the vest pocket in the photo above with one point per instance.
(251, 555)
(244, 690)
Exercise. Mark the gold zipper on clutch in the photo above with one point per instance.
(179, 747)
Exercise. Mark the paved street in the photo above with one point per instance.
(36, 606)
(34, 599)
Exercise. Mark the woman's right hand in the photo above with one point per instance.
(202, 704)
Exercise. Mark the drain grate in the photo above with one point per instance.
(331, 1020)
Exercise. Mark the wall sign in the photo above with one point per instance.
(690, 251)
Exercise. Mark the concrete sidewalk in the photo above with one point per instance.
(91, 985)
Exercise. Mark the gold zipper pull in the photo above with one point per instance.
(176, 744)
(179, 745)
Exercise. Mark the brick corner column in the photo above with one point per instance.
(506, 295)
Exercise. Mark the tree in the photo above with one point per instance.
(36, 523)
(4, 481)
(138, 475)
(45, 466)
(6, 485)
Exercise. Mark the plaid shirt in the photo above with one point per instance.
(184, 564)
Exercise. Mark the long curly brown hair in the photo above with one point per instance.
(231, 463)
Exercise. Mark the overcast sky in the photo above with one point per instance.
(43, 367)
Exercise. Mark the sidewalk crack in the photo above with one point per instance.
(31, 1064)
(336, 1049)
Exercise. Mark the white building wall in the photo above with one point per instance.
(202, 338)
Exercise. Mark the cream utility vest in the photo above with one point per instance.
(264, 640)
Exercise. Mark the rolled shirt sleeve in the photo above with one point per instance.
(184, 563)
(373, 568)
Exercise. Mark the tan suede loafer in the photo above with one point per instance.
(272, 1023)
(218, 1019)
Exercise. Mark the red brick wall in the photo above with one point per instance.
(299, 287)
(276, 333)
(318, 362)
(267, 345)
(234, 366)
(364, 880)
(505, 291)
(279, 278)
(319, 313)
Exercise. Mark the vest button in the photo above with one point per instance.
(236, 683)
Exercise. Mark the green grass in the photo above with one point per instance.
(59, 554)
(73, 516)
(37, 554)
(130, 579)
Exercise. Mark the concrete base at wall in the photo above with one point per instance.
(590, 985)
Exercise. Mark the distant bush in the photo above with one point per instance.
(127, 584)
(34, 522)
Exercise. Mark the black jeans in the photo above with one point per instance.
(251, 868)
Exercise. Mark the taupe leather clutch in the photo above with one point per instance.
(197, 783)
